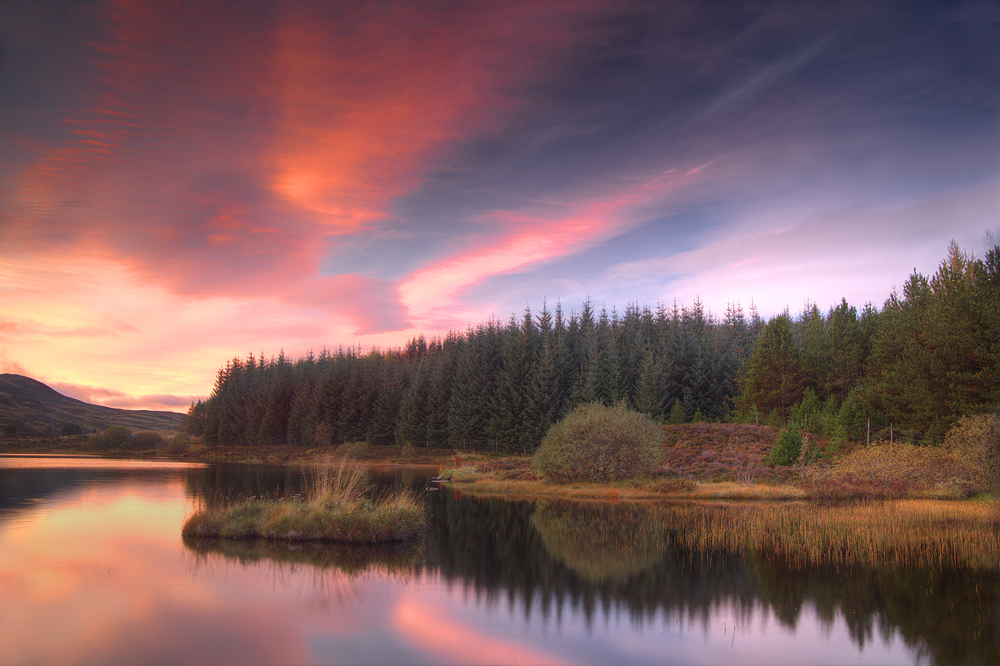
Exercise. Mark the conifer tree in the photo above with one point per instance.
(382, 429)
(931, 362)
(649, 392)
(814, 352)
(771, 380)
(843, 340)
(547, 392)
(508, 427)
(411, 421)
(472, 391)
(357, 400)
(439, 391)
(676, 414)
(301, 426)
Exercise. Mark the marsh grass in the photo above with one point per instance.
(896, 532)
(335, 508)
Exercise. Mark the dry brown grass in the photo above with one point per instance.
(489, 483)
(897, 532)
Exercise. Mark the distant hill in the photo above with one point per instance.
(39, 407)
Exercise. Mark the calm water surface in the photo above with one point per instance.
(93, 570)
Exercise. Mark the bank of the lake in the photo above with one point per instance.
(709, 465)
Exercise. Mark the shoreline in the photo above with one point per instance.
(489, 475)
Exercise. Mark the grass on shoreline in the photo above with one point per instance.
(334, 510)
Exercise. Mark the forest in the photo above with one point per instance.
(908, 371)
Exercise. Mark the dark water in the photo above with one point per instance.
(93, 570)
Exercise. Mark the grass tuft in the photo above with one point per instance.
(334, 509)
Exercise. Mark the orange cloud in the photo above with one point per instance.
(215, 152)
(367, 97)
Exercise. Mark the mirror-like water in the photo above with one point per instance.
(93, 570)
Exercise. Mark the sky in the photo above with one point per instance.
(182, 183)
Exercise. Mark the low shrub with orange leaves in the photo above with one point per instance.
(893, 470)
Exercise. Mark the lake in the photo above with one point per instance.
(93, 570)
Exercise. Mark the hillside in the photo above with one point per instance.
(38, 406)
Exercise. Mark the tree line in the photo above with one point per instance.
(928, 357)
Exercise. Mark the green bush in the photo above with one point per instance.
(179, 443)
(112, 438)
(787, 449)
(145, 439)
(595, 442)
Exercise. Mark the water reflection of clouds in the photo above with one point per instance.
(428, 621)
(117, 598)
(52, 462)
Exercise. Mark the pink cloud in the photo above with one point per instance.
(97, 395)
(215, 156)
(12, 367)
(526, 239)
(370, 304)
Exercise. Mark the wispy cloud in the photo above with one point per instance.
(783, 258)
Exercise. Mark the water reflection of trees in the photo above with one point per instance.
(222, 482)
(348, 559)
(949, 614)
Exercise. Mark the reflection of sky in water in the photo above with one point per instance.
(98, 574)
(47, 461)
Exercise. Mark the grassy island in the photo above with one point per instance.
(335, 509)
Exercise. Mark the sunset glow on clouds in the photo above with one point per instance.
(186, 182)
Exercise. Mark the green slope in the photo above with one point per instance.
(40, 407)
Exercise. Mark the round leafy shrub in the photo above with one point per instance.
(145, 439)
(112, 438)
(179, 443)
(600, 443)
(787, 449)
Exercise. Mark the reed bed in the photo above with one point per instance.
(898, 533)
(335, 509)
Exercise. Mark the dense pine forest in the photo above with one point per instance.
(909, 370)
